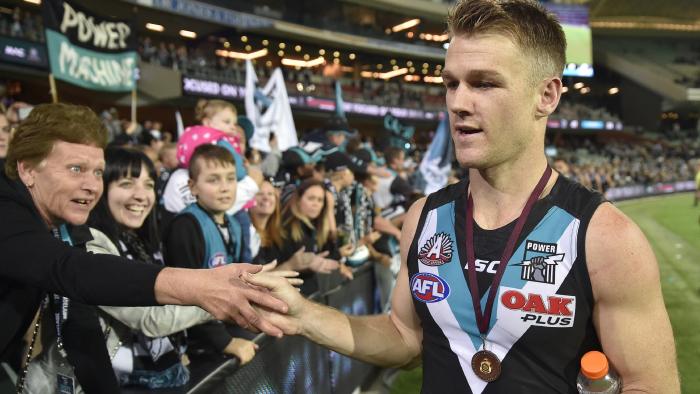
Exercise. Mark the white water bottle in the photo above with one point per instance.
(596, 376)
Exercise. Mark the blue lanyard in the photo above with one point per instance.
(60, 304)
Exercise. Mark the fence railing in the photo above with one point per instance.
(294, 364)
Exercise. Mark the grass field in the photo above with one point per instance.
(671, 225)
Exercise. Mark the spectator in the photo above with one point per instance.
(306, 224)
(205, 236)
(128, 180)
(219, 120)
(266, 220)
(394, 192)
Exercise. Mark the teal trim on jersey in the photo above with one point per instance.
(214, 246)
(549, 229)
(460, 300)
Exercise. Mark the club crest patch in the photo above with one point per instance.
(436, 251)
(540, 262)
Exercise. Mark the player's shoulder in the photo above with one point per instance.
(610, 223)
(618, 254)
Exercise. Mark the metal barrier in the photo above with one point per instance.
(294, 364)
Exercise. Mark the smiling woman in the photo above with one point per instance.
(127, 204)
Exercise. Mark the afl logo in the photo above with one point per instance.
(217, 260)
(429, 288)
(437, 250)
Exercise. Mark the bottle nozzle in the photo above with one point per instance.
(594, 365)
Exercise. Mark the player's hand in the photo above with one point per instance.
(223, 293)
(291, 322)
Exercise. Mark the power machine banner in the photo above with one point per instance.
(88, 50)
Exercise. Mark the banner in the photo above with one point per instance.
(269, 110)
(88, 50)
(437, 162)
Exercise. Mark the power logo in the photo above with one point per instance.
(540, 262)
(429, 288)
(535, 309)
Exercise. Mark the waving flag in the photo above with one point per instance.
(339, 104)
(269, 110)
(437, 162)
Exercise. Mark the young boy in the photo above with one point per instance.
(203, 235)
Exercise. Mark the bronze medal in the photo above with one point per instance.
(486, 365)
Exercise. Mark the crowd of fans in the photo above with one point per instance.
(328, 205)
(570, 110)
(201, 63)
(604, 165)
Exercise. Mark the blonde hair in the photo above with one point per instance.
(271, 234)
(535, 30)
(293, 218)
(208, 108)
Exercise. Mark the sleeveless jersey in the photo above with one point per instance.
(541, 323)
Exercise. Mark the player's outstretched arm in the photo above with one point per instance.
(385, 340)
(629, 312)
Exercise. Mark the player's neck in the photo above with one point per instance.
(500, 192)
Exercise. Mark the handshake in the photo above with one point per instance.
(257, 298)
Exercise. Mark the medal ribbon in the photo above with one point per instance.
(484, 318)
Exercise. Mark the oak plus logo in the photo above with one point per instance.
(546, 310)
(540, 262)
(437, 250)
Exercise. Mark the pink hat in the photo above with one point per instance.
(195, 136)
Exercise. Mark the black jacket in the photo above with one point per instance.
(33, 262)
